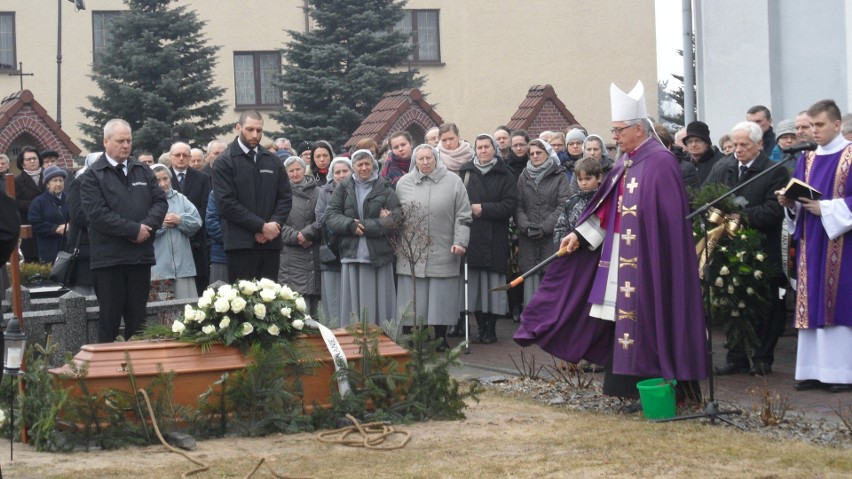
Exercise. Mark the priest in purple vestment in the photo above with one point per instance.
(822, 228)
(628, 292)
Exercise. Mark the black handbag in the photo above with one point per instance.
(63, 266)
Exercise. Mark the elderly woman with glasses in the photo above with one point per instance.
(363, 212)
(543, 190)
(436, 205)
(172, 249)
(28, 185)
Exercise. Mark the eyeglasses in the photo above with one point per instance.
(617, 131)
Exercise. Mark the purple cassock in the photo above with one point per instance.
(823, 293)
(659, 328)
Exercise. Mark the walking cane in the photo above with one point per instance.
(466, 312)
(520, 279)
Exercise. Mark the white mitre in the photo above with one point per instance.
(628, 106)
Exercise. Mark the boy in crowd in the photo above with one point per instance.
(589, 175)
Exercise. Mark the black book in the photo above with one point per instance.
(797, 188)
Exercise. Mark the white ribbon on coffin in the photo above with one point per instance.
(336, 352)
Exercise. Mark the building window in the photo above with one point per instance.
(254, 78)
(101, 33)
(8, 61)
(423, 27)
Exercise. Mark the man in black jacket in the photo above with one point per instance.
(765, 214)
(699, 149)
(196, 186)
(252, 193)
(124, 206)
(10, 229)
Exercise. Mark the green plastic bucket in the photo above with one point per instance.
(658, 398)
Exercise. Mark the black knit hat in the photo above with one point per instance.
(698, 129)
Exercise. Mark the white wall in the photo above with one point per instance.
(784, 54)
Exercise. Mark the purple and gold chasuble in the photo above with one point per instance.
(658, 327)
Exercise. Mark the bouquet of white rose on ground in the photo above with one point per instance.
(241, 314)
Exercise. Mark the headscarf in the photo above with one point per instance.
(358, 155)
(439, 165)
(537, 173)
(484, 169)
(339, 159)
(296, 159)
(604, 151)
(160, 167)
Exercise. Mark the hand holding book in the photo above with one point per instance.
(797, 188)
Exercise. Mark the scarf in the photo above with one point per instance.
(537, 173)
(395, 167)
(35, 175)
(454, 159)
(484, 169)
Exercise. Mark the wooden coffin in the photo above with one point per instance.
(197, 371)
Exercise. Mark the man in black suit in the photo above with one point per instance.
(765, 214)
(124, 206)
(196, 186)
(253, 196)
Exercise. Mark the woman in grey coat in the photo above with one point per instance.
(436, 206)
(363, 212)
(543, 190)
(300, 235)
(171, 244)
(338, 171)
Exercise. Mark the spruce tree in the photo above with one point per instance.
(157, 74)
(335, 74)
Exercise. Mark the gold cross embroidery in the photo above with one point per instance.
(631, 315)
(627, 289)
(625, 341)
(632, 185)
(631, 262)
(629, 210)
(628, 236)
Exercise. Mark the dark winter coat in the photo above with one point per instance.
(250, 194)
(497, 192)
(539, 207)
(705, 164)
(329, 246)
(10, 227)
(342, 210)
(82, 274)
(48, 212)
(116, 209)
(299, 267)
(26, 190)
(762, 212)
(214, 231)
(515, 163)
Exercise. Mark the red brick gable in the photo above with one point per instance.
(21, 114)
(541, 111)
(396, 111)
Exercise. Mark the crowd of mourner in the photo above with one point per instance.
(328, 223)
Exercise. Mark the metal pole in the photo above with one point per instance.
(688, 68)
(59, 62)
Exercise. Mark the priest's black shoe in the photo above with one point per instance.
(807, 385)
(760, 369)
(840, 388)
(731, 368)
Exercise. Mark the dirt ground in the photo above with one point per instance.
(501, 437)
